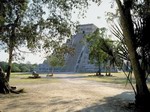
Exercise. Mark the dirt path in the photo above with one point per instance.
(71, 94)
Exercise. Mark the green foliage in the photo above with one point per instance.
(18, 67)
(35, 24)
(17, 29)
(55, 61)
(57, 58)
(133, 31)
(15, 68)
(139, 28)
(24, 68)
(100, 46)
(4, 65)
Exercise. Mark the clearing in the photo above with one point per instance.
(66, 93)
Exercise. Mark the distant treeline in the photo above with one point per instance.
(18, 67)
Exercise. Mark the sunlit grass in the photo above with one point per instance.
(117, 78)
(24, 79)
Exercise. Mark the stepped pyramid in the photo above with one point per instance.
(79, 62)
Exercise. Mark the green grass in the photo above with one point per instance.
(117, 78)
(23, 79)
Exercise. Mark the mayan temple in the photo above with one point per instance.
(79, 62)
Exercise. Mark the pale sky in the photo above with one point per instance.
(95, 15)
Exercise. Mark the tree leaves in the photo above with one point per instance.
(100, 47)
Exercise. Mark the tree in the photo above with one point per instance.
(4, 85)
(55, 61)
(57, 57)
(15, 67)
(32, 67)
(134, 27)
(96, 55)
(25, 23)
(24, 68)
(16, 28)
(3, 65)
(101, 49)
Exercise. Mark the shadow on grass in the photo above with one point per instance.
(118, 103)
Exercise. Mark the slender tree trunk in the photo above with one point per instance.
(11, 46)
(99, 71)
(99, 65)
(106, 70)
(109, 73)
(143, 95)
(52, 71)
(9, 63)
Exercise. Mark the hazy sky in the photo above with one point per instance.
(95, 14)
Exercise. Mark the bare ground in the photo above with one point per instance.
(70, 94)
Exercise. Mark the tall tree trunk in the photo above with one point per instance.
(9, 63)
(52, 71)
(109, 72)
(142, 95)
(99, 65)
(99, 71)
(5, 88)
(109, 68)
(11, 46)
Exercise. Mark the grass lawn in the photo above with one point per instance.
(118, 78)
(23, 79)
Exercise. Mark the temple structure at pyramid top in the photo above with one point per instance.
(86, 28)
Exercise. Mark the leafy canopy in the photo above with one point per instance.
(100, 46)
(36, 23)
